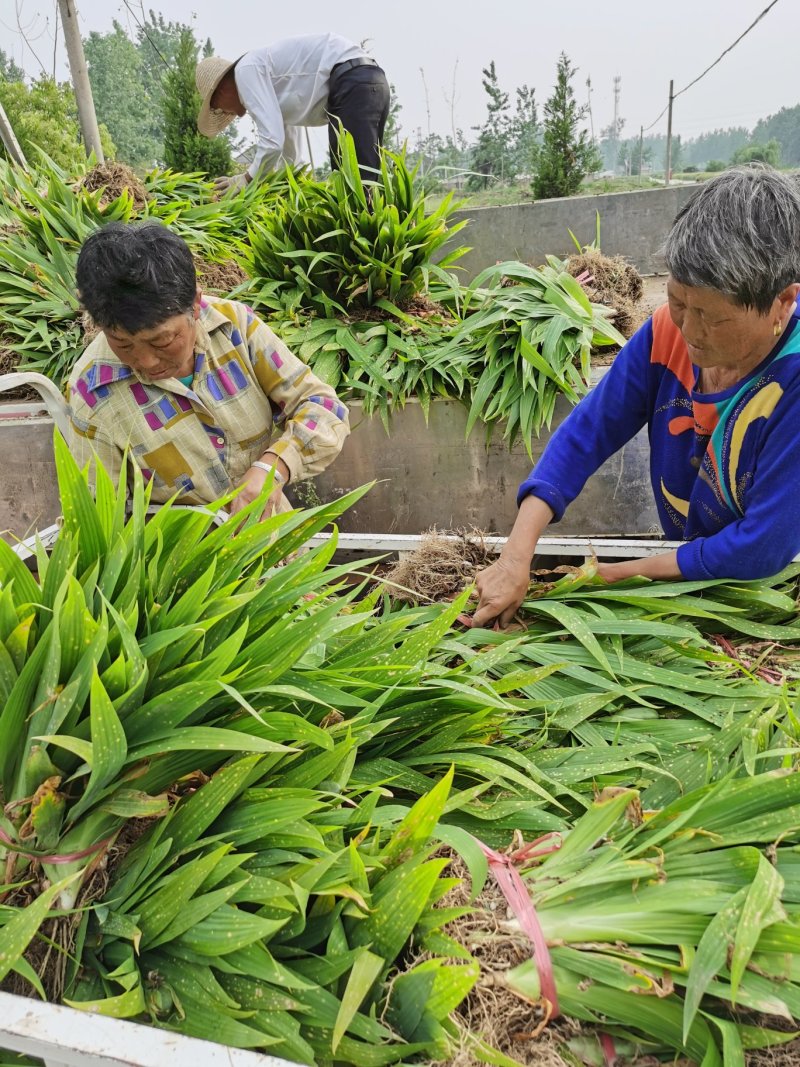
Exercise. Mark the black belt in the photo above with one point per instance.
(348, 64)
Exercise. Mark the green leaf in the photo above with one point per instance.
(360, 982)
(19, 930)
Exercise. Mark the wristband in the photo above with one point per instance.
(270, 469)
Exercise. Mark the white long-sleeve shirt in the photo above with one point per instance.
(285, 85)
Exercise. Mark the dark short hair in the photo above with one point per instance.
(135, 275)
(740, 235)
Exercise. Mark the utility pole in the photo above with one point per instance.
(10, 141)
(641, 150)
(669, 134)
(80, 79)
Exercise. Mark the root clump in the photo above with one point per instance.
(443, 565)
(114, 179)
(614, 282)
(219, 279)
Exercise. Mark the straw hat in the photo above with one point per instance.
(208, 75)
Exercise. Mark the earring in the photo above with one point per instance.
(777, 329)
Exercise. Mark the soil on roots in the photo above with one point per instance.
(49, 953)
(51, 950)
(219, 279)
(419, 306)
(614, 282)
(114, 179)
(787, 1055)
(491, 1012)
(439, 569)
(516, 1026)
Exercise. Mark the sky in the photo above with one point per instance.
(433, 53)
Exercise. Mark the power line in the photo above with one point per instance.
(721, 56)
(152, 42)
(730, 48)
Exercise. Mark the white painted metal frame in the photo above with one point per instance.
(65, 1037)
(403, 544)
(52, 399)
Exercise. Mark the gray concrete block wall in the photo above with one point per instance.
(633, 225)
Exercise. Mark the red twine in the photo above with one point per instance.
(609, 1049)
(513, 889)
(67, 857)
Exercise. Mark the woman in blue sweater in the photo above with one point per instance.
(715, 376)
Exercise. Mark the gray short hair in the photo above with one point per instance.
(740, 235)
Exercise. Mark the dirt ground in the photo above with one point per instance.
(655, 292)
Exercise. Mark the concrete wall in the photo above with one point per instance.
(631, 224)
(429, 473)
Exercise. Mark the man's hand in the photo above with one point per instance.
(502, 588)
(229, 185)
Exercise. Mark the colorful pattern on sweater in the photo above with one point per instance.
(723, 466)
(199, 440)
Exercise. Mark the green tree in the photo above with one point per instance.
(567, 154)
(122, 98)
(784, 127)
(491, 155)
(45, 116)
(9, 71)
(391, 134)
(185, 148)
(759, 153)
(716, 144)
(524, 132)
(157, 42)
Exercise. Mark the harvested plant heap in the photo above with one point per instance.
(44, 219)
(531, 333)
(344, 271)
(231, 792)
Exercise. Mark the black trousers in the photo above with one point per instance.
(359, 99)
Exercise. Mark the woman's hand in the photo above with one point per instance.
(663, 567)
(253, 485)
(502, 588)
(503, 585)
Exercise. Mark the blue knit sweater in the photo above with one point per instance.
(725, 467)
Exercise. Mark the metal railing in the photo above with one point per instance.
(65, 1037)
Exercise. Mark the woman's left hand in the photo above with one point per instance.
(663, 567)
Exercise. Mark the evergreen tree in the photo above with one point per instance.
(391, 134)
(567, 154)
(491, 154)
(524, 132)
(157, 41)
(185, 148)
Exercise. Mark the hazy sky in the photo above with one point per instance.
(644, 42)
